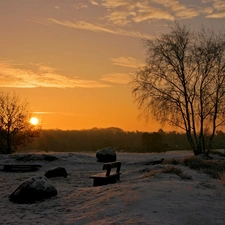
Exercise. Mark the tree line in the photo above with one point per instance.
(122, 141)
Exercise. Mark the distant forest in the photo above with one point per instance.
(122, 141)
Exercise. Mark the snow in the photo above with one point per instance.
(136, 199)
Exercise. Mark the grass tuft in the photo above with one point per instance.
(168, 169)
(177, 171)
(211, 167)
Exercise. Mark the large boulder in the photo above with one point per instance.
(56, 172)
(32, 190)
(106, 155)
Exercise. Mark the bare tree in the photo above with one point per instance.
(15, 129)
(183, 83)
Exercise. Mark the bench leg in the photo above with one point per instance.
(99, 182)
(113, 180)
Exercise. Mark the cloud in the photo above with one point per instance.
(217, 15)
(93, 27)
(12, 75)
(179, 10)
(152, 13)
(118, 78)
(207, 11)
(123, 12)
(119, 18)
(126, 62)
(218, 7)
(93, 2)
(80, 5)
(182, 11)
(117, 3)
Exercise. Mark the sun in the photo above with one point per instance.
(34, 120)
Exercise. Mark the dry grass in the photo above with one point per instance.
(151, 173)
(210, 166)
(168, 169)
(177, 171)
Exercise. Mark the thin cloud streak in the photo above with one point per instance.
(43, 112)
(57, 113)
(117, 78)
(43, 76)
(82, 25)
(127, 62)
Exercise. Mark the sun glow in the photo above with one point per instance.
(34, 120)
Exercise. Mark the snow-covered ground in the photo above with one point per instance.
(137, 198)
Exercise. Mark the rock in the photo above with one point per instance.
(106, 155)
(56, 172)
(32, 190)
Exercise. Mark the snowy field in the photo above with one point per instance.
(137, 198)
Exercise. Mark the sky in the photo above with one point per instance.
(73, 60)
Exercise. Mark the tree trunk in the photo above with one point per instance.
(9, 147)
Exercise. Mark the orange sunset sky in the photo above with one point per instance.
(72, 59)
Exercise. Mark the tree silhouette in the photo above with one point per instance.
(15, 129)
(183, 83)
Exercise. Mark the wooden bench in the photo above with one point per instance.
(20, 167)
(108, 177)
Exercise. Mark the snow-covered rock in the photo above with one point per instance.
(56, 172)
(32, 190)
(106, 155)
